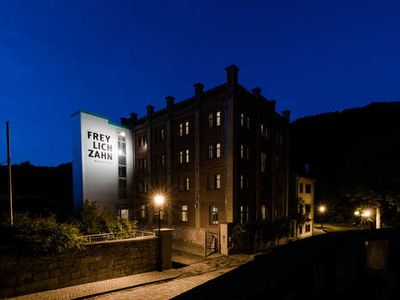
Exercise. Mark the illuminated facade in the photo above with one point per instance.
(102, 163)
(302, 206)
(220, 157)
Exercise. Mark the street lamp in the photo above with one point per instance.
(159, 201)
(322, 210)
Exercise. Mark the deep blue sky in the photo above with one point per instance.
(114, 57)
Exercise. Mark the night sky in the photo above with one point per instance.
(115, 57)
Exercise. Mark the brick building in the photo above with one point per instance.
(220, 156)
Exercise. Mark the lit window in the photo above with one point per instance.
(218, 118)
(242, 120)
(187, 127)
(162, 160)
(241, 182)
(143, 211)
(144, 164)
(210, 120)
(241, 151)
(263, 212)
(218, 150)
(180, 129)
(244, 214)
(145, 187)
(144, 141)
(218, 181)
(184, 215)
(187, 184)
(121, 148)
(123, 214)
(213, 214)
(263, 161)
(187, 155)
(162, 134)
(210, 151)
(248, 122)
(181, 157)
(262, 129)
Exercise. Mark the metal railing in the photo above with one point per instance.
(92, 238)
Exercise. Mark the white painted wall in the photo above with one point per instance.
(95, 161)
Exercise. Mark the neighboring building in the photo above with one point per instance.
(102, 163)
(302, 205)
(221, 157)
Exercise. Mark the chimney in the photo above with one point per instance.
(232, 75)
(286, 114)
(170, 102)
(198, 89)
(150, 110)
(256, 92)
(133, 118)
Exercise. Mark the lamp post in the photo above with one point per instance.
(322, 210)
(159, 201)
(366, 214)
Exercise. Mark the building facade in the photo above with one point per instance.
(102, 164)
(302, 205)
(220, 157)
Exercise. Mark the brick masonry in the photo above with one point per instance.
(97, 261)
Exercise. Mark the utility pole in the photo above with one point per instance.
(9, 174)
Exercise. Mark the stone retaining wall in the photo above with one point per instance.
(98, 261)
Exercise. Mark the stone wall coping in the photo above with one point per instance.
(164, 229)
(136, 239)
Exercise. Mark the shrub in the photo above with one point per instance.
(90, 221)
(39, 236)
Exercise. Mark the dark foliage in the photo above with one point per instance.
(40, 191)
(355, 157)
(38, 236)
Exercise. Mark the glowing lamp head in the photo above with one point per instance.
(322, 209)
(122, 134)
(159, 200)
(367, 213)
(357, 213)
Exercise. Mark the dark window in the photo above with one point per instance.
(308, 228)
(308, 208)
(308, 188)
(122, 188)
(210, 182)
(121, 171)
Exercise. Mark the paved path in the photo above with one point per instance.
(151, 285)
(190, 277)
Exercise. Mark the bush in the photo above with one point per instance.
(39, 236)
(89, 221)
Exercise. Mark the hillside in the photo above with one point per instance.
(360, 144)
(357, 147)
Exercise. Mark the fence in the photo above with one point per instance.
(115, 236)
